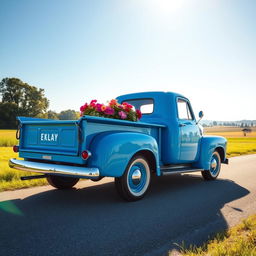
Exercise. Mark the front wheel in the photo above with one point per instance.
(135, 182)
(215, 164)
(62, 182)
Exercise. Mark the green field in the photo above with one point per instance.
(10, 179)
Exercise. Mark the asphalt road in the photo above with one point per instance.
(93, 220)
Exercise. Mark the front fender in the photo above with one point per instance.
(111, 152)
(208, 145)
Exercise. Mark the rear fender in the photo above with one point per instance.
(111, 152)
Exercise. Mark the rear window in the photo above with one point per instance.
(146, 106)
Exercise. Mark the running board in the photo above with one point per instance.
(179, 170)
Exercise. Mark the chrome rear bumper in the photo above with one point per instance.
(54, 169)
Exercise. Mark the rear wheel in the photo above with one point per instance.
(135, 182)
(62, 182)
(215, 164)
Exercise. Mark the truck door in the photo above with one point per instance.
(189, 134)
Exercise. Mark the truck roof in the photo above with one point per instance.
(150, 94)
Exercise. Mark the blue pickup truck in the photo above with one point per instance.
(167, 140)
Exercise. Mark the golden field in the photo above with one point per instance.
(8, 138)
(230, 132)
(238, 144)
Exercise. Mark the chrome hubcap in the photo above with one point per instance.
(213, 164)
(136, 177)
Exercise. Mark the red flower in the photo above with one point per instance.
(84, 107)
(113, 102)
(93, 103)
(138, 112)
(127, 107)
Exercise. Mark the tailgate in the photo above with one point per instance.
(49, 136)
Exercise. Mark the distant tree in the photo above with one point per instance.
(68, 115)
(214, 123)
(8, 113)
(22, 99)
(52, 115)
(246, 130)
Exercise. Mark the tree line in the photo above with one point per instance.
(231, 123)
(18, 98)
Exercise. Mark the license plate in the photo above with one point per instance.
(49, 137)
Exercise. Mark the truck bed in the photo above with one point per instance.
(63, 141)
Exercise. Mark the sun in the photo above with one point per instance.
(165, 7)
(168, 5)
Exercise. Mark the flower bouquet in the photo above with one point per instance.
(113, 109)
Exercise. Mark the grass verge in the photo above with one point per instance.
(237, 241)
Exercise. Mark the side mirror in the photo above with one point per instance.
(201, 114)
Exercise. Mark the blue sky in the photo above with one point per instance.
(81, 50)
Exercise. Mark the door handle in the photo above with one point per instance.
(182, 125)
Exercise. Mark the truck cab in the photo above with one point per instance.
(168, 139)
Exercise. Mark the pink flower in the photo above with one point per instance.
(109, 111)
(122, 114)
(138, 112)
(98, 107)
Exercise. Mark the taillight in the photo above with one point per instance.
(86, 154)
(16, 149)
